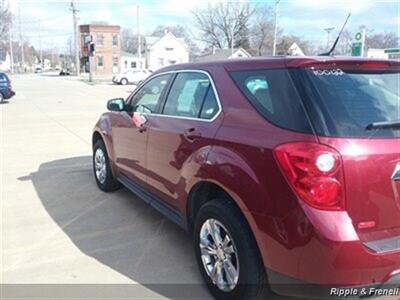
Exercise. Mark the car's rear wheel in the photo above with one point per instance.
(227, 253)
(102, 169)
(124, 81)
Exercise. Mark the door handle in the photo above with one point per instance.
(191, 134)
(142, 128)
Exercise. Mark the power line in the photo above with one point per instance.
(42, 20)
(20, 35)
(48, 36)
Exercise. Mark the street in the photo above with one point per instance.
(57, 226)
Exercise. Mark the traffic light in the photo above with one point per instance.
(92, 49)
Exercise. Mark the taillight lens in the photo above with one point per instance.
(315, 173)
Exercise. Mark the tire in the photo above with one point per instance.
(124, 81)
(104, 178)
(1, 98)
(251, 279)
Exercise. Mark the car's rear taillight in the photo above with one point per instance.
(315, 173)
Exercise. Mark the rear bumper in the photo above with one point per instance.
(322, 249)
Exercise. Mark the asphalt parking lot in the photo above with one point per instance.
(57, 226)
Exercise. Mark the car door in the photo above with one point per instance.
(130, 128)
(185, 128)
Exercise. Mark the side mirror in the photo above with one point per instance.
(117, 104)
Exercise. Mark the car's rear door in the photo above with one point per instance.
(184, 130)
(129, 135)
(346, 100)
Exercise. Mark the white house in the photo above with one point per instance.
(377, 53)
(166, 50)
(5, 61)
(225, 54)
(295, 50)
(131, 61)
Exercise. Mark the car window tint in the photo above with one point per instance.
(187, 95)
(3, 78)
(210, 105)
(258, 86)
(147, 98)
(349, 100)
(274, 96)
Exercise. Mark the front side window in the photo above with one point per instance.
(146, 100)
(274, 96)
(191, 95)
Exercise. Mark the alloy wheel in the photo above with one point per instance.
(100, 165)
(219, 255)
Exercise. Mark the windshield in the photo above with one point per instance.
(347, 101)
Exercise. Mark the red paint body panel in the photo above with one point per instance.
(235, 151)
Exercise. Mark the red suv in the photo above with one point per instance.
(285, 170)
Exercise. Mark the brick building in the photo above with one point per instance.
(106, 60)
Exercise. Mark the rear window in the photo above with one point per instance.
(345, 102)
(274, 96)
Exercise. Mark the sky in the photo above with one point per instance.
(51, 20)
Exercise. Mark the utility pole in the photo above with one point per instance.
(328, 36)
(139, 40)
(275, 26)
(21, 42)
(11, 49)
(76, 39)
(232, 38)
(40, 44)
(363, 42)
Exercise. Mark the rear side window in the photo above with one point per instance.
(345, 102)
(192, 96)
(274, 96)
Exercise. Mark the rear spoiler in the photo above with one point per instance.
(361, 63)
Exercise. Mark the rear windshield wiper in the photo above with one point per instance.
(384, 125)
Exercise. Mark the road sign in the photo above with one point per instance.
(356, 49)
(392, 50)
(358, 36)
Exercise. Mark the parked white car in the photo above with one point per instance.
(131, 76)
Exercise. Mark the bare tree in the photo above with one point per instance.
(382, 40)
(5, 22)
(129, 40)
(177, 30)
(218, 24)
(344, 44)
(262, 32)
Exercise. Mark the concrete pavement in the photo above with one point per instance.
(57, 226)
